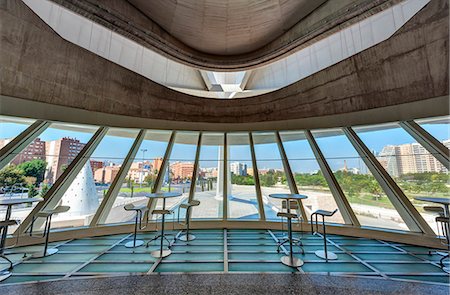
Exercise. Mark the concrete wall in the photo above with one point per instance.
(38, 65)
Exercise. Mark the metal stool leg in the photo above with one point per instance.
(135, 243)
(46, 252)
(187, 237)
(325, 254)
(4, 274)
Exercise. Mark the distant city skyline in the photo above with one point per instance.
(335, 148)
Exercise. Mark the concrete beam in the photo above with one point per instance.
(410, 66)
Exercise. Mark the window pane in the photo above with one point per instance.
(308, 177)
(141, 176)
(414, 169)
(43, 161)
(242, 201)
(209, 190)
(178, 177)
(10, 127)
(270, 171)
(367, 199)
(91, 184)
(438, 127)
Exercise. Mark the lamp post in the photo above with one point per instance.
(141, 178)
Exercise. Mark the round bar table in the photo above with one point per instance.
(162, 253)
(9, 202)
(290, 260)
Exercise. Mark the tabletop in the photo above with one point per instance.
(444, 201)
(288, 196)
(163, 195)
(16, 201)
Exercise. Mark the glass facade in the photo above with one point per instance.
(308, 175)
(226, 166)
(210, 167)
(242, 200)
(413, 168)
(272, 176)
(366, 197)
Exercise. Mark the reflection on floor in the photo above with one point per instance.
(227, 251)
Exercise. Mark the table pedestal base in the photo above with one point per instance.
(4, 274)
(187, 238)
(48, 253)
(321, 254)
(157, 253)
(292, 262)
(134, 245)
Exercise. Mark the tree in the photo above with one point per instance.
(44, 189)
(11, 175)
(373, 188)
(32, 192)
(34, 168)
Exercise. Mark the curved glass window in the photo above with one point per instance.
(43, 161)
(272, 176)
(92, 183)
(141, 176)
(209, 189)
(438, 127)
(417, 172)
(308, 176)
(179, 171)
(366, 197)
(242, 199)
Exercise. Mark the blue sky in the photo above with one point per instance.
(335, 148)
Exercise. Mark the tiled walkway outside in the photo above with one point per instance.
(227, 251)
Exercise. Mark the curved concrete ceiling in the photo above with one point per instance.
(331, 49)
(226, 27)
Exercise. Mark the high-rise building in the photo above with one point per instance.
(182, 170)
(35, 150)
(409, 158)
(238, 168)
(60, 153)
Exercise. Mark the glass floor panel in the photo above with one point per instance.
(116, 267)
(189, 267)
(246, 251)
(260, 267)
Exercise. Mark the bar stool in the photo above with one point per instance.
(140, 210)
(188, 206)
(324, 254)
(293, 205)
(161, 252)
(443, 231)
(47, 214)
(285, 240)
(4, 274)
(434, 209)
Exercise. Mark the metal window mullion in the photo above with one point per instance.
(407, 211)
(344, 207)
(225, 177)
(160, 177)
(55, 193)
(289, 176)
(21, 141)
(195, 171)
(262, 214)
(431, 144)
(103, 210)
